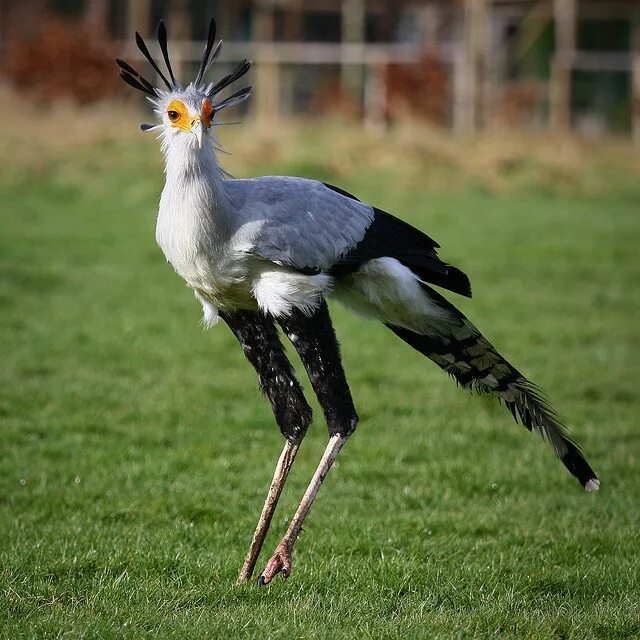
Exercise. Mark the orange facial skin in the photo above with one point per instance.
(179, 117)
(207, 113)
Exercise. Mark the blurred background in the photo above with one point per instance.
(464, 65)
(135, 449)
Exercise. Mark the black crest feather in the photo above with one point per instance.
(214, 56)
(204, 65)
(210, 54)
(235, 98)
(242, 68)
(145, 52)
(135, 83)
(162, 41)
(127, 69)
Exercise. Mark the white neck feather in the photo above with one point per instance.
(184, 161)
(194, 208)
(194, 179)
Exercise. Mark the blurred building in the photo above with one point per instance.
(467, 64)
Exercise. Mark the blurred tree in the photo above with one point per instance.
(61, 58)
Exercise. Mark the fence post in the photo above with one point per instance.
(561, 67)
(138, 17)
(375, 96)
(635, 78)
(267, 94)
(353, 32)
(95, 18)
(470, 63)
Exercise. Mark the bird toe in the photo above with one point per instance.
(280, 562)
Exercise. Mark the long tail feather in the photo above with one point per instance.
(476, 365)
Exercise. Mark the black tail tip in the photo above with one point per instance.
(579, 467)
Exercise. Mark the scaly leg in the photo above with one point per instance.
(315, 340)
(285, 462)
(280, 562)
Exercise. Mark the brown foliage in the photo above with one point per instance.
(517, 103)
(61, 60)
(331, 98)
(420, 89)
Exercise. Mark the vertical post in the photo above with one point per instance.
(470, 68)
(267, 76)
(498, 69)
(353, 32)
(429, 17)
(565, 16)
(293, 21)
(375, 96)
(138, 17)
(482, 60)
(461, 73)
(292, 32)
(635, 78)
(96, 15)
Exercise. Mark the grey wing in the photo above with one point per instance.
(302, 223)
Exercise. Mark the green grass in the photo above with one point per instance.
(136, 449)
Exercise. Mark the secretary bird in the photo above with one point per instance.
(268, 251)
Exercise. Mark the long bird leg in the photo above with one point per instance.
(280, 562)
(316, 343)
(259, 339)
(285, 462)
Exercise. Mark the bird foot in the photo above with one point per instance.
(280, 562)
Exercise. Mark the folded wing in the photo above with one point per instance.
(314, 227)
(300, 223)
(388, 236)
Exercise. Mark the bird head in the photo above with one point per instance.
(186, 114)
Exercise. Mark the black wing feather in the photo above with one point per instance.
(392, 237)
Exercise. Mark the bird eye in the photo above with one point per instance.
(173, 115)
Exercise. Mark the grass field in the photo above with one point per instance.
(136, 450)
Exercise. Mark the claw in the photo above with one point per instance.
(280, 562)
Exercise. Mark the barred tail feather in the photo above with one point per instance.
(475, 364)
(532, 409)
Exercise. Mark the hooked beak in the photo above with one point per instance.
(198, 131)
